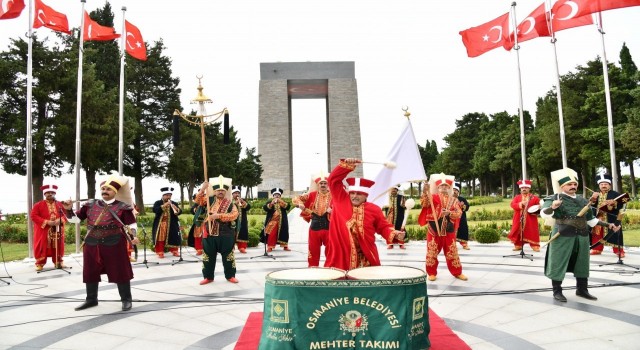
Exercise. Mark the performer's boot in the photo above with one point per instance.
(557, 291)
(125, 295)
(582, 291)
(92, 297)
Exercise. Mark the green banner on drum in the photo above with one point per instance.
(362, 313)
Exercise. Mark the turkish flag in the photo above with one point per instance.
(94, 31)
(567, 9)
(133, 42)
(535, 25)
(11, 8)
(487, 37)
(563, 23)
(48, 17)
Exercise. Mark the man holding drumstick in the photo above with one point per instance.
(354, 221)
(524, 227)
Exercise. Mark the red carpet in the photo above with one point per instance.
(441, 336)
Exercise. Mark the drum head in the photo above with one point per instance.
(534, 209)
(307, 274)
(384, 273)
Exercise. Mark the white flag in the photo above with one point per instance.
(408, 167)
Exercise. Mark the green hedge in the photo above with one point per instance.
(485, 215)
(486, 235)
(477, 201)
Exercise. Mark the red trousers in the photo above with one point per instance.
(435, 244)
(316, 240)
(272, 240)
(160, 247)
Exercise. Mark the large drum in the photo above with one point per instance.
(374, 307)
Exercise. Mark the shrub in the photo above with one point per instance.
(477, 201)
(13, 233)
(254, 236)
(415, 233)
(486, 215)
(486, 235)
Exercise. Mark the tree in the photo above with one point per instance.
(47, 64)
(462, 143)
(249, 172)
(152, 96)
(428, 154)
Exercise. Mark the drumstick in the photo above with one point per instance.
(388, 164)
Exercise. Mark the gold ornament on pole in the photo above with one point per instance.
(201, 119)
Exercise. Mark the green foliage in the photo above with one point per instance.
(477, 201)
(415, 233)
(484, 215)
(635, 204)
(13, 233)
(486, 235)
(254, 236)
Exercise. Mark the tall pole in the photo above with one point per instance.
(520, 109)
(563, 145)
(123, 38)
(29, 141)
(77, 166)
(607, 95)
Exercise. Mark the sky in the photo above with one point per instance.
(406, 53)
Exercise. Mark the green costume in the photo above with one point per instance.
(570, 251)
(221, 240)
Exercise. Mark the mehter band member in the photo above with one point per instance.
(110, 223)
(569, 244)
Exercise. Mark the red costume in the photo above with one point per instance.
(351, 242)
(316, 205)
(531, 232)
(48, 240)
(442, 237)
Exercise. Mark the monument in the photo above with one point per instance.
(283, 81)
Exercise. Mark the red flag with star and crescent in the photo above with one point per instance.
(579, 8)
(11, 9)
(94, 31)
(537, 24)
(48, 17)
(486, 37)
(133, 42)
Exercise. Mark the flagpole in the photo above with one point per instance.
(520, 109)
(607, 94)
(123, 39)
(77, 165)
(29, 141)
(563, 146)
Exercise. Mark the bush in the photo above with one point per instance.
(486, 215)
(13, 233)
(254, 236)
(477, 201)
(486, 235)
(415, 233)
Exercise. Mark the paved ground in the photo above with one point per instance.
(505, 304)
